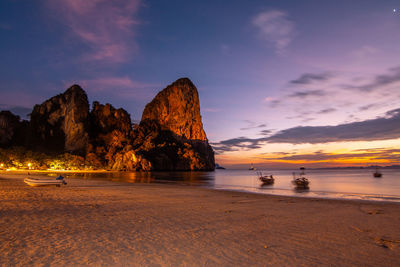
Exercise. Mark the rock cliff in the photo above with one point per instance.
(12, 130)
(170, 134)
(110, 134)
(177, 109)
(61, 123)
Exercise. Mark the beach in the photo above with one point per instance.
(105, 223)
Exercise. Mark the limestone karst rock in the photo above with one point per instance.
(111, 136)
(12, 129)
(61, 123)
(171, 134)
(177, 109)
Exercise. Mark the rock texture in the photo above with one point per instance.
(61, 123)
(110, 135)
(106, 119)
(170, 135)
(12, 130)
(177, 109)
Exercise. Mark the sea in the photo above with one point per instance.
(359, 184)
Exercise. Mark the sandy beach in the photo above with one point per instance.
(104, 223)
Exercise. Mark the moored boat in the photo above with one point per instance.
(301, 181)
(266, 179)
(252, 168)
(43, 182)
(377, 174)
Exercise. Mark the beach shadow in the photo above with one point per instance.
(301, 189)
(266, 186)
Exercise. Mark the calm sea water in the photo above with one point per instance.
(335, 183)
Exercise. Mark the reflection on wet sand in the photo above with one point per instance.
(337, 183)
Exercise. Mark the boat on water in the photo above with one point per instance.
(266, 179)
(377, 174)
(44, 182)
(300, 181)
(252, 168)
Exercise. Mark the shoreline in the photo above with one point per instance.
(382, 199)
(100, 222)
(397, 201)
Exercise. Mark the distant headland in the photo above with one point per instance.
(63, 133)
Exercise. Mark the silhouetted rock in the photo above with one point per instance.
(12, 129)
(105, 119)
(61, 123)
(170, 135)
(219, 167)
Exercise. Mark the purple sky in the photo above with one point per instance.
(280, 82)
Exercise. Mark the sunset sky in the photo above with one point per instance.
(281, 83)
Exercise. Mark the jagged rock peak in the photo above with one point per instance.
(9, 124)
(106, 118)
(61, 121)
(177, 108)
(75, 89)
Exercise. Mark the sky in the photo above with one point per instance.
(283, 83)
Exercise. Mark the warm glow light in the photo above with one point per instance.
(335, 154)
(29, 165)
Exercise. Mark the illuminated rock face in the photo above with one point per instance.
(111, 136)
(170, 135)
(177, 109)
(61, 123)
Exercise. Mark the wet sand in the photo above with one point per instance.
(104, 223)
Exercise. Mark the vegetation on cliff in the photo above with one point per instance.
(64, 134)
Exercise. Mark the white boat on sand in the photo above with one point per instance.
(43, 182)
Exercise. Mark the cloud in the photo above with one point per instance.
(304, 94)
(121, 86)
(390, 78)
(265, 132)
(370, 106)
(239, 143)
(252, 125)
(212, 110)
(18, 98)
(275, 27)
(383, 128)
(269, 99)
(379, 149)
(384, 154)
(365, 51)
(275, 103)
(326, 111)
(101, 84)
(308, 78)
(21, 111)
(302, 116)
(106, 27)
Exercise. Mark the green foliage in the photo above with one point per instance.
(20, 158)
